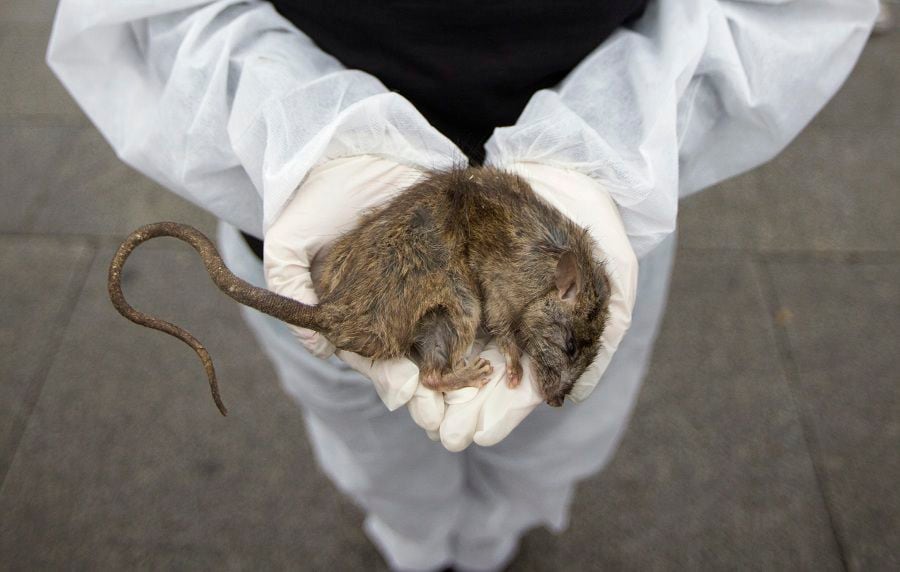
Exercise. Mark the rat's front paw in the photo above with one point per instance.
(482, 369)
(513, 357)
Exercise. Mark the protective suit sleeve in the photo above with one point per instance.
(227, 103)
(694, 92)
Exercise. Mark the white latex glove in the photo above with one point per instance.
(487, 415)
(325, 206)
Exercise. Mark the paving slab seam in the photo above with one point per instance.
(849, 256)
(804, 255)
(769, 293)
(17, 119)
(33, 393)
(92, 241)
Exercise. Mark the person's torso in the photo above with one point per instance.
(467, 66)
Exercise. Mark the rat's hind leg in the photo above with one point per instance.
(441, 342)
(475, 374)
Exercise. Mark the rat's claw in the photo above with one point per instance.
(484, 370)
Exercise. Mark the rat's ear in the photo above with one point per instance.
(567, 277)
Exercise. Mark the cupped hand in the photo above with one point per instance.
(328, 203)
(488, 415)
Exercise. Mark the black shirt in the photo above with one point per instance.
(468, 66)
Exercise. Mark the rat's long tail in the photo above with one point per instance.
(285, 309)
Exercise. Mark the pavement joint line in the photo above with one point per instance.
(43, 119)
(77, 284)
(848, 256)
(97, 241)
(790, 370)
(45, 195)
(93, 241)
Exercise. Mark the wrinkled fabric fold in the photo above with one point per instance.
(226, 103)
(692, 93)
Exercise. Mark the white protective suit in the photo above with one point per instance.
(229, 105)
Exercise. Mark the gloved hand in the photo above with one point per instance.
(487, 415)
(326, 205)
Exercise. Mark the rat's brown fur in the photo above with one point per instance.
(417, 276)
(542, 290)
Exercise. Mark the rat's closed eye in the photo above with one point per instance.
(571, 349)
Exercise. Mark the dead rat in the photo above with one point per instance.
(418, 276)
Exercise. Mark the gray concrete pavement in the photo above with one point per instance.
(767, 435)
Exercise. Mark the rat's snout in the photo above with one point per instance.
(556, 401)
(552, 372)
(554, 391)
(554, 388)
(550, 382)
